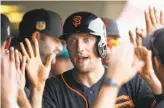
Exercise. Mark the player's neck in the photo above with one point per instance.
(91, 77)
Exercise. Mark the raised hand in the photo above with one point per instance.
(141, 53)
(147, 72)
(9, 79)
(36, 70)
(154, 19)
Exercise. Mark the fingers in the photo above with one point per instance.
(23, 50)
(152, 16)
(153, 20)
(139, 41)
(49, 59)
(23, 66)
(31, 53)
(4, 61)
(36, 46)
(20, 56)
(12, 58)
(148, 20)
(139, 36)
(156, 15)
(12, 62)
(30, 49)
(162, 17)
(132, 37)
(17, 60)
(141, 33)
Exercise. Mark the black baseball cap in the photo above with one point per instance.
(111, 27)
(42, 20)
(157, 44)
(5, 28)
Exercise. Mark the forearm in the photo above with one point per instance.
(36, 98)
(107, 93)
(155, 85)
(23, 102)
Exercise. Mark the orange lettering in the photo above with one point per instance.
(127, 102)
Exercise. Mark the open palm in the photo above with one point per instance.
(36, 70)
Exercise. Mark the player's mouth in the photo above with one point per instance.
(82, 59)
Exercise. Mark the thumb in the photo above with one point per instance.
(49, 59)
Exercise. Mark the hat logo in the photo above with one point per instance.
(77, 20)
(40, 25)
(8, 30)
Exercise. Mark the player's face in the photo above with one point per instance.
(48, 45)
(82, 50)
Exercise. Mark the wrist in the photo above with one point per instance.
(111, 82)
(38, 86)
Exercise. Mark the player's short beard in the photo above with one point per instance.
(44, 50)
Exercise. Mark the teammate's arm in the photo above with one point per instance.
(116, 70)
(37, 71)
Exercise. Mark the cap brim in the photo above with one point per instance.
(63, 37)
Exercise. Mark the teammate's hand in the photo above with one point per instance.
(36, 70)
(154, 20)
(8, 78)
(123, 63)
(141, 53)
(147, 72)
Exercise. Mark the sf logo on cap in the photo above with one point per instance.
(77, 20)
(40, 25)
